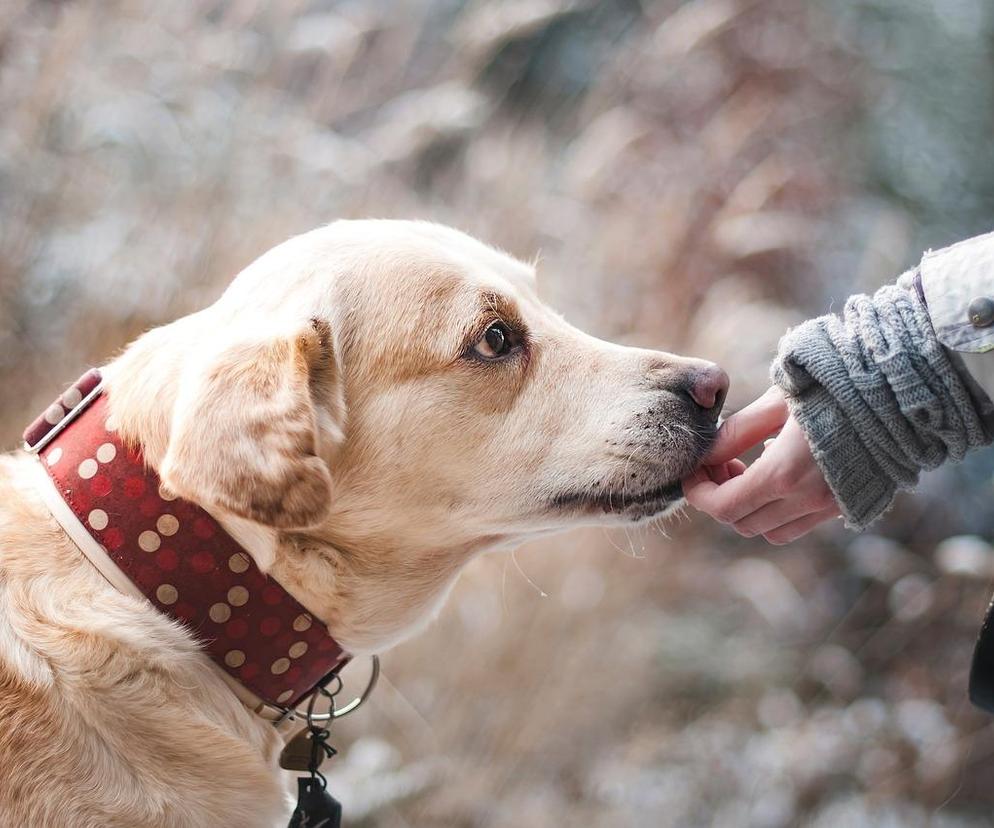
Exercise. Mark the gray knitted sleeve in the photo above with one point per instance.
(877, 397)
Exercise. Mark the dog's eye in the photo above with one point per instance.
(497, 341)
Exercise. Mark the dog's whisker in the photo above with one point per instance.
(531, 583)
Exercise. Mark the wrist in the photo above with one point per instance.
(862, 490)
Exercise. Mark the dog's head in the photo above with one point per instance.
(399, 387)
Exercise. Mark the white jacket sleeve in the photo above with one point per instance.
(958, 285)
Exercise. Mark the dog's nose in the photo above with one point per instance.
(708, 387)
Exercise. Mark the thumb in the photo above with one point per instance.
(751, 425)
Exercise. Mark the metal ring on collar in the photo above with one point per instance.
(351, 707)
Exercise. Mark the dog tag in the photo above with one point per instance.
(316, 808)
(296, 754)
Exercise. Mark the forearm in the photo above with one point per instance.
(878, 397)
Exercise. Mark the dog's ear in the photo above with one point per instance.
(250, 427)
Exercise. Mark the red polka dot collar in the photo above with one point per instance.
(175, 554)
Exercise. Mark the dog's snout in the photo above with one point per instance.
(698, 381)
(707, 387)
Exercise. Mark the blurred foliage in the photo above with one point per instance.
(698, 176)
(925, 137)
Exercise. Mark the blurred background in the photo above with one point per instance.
(697, 176)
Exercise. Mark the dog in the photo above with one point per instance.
(365, 409)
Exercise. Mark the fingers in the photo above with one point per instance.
(790, 532)
(782, 496)
(733, 500)
(785, 511)
(726, 471)
(747, 427)
(718, 474)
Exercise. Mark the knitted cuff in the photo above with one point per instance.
(877, 398)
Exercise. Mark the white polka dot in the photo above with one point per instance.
(167, 525)
(238, 596)
(234, 658)
(167, 594)
(87, 468)
(165, 494)
(97, 519)
(54, 456)
(238, 562)
(302, 622)
(149, 540)
(54, 414)
(285, 696)
(219, 612)
(106, 452)
(71, 398)
(280, 666)
(110, 424)
(297, 649)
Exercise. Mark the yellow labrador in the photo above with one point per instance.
(366, 408)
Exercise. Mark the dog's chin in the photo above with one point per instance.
(624, 505)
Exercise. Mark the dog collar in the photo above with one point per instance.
(175, 554)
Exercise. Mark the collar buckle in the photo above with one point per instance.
(57, 417)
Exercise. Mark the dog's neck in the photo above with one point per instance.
(350, 584)
(149, 543)
(366, 602)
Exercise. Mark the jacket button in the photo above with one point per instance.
(981, 312)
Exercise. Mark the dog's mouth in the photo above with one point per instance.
(630, 502)
(635, 504)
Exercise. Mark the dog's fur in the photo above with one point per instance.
(333, 410)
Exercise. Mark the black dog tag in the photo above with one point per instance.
(982, 668)
(316, 808)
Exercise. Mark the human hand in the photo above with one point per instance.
(782, 495)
